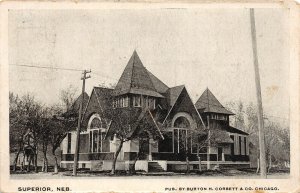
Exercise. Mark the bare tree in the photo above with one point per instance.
(276, 136)
(16, 127)
(68, 96)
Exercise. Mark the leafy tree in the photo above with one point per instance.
(25, 113)
(122, 120)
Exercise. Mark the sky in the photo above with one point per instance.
(196, 47)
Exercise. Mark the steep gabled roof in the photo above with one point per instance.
(209, 103)
(74, 110)
(99, 101)
(105, 96)
(173, 94)
(136, 79)
(179, 100)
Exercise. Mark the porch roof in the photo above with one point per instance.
(220, 136)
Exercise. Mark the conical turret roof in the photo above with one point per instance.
(209, 103)
(136, 79)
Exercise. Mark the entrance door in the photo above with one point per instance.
(144, 148)
(220, 152)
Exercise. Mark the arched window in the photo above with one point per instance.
(97, 129)
(182, 122)
(96, 123)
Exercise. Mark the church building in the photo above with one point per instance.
(160, 124)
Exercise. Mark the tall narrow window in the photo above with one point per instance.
(137, 101)
(69, 143)
(240, 144)
(245, 145)
(114, 103)
(232, 145)
(95, 140)
(121, 102)
(149, 102)
(99, 141)
(117, 102)
(125, 104)
(91, 140)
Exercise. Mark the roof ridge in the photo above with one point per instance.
(156, 77)
(136, 58)
(177, 86)
(103, 87)
(209, 102)
(134, 52)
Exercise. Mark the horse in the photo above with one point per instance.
(28, 156)
(29, 150)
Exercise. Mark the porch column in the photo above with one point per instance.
(223, 157)
(150, 150)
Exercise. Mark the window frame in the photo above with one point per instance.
(69, 143)
(135, 100)
(100, 137)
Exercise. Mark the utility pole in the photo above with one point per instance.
(208, 134)
(208, 146)
(85, 72)
(262, 153)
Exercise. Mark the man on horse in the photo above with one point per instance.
(29, 148)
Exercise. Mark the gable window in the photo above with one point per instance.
(137, 101)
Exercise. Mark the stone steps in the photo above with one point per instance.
(154, 167)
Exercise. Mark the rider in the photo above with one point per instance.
(28, 139)
(29, 147)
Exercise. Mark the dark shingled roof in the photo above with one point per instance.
(173, 93)
(105, 96)
(235, 130)
(208, 103)
(158, 84)
(73, 111)
(136, 79)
